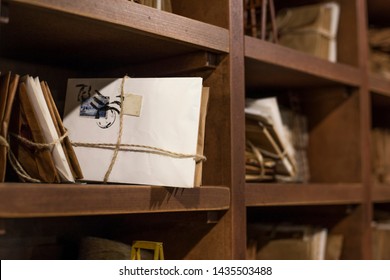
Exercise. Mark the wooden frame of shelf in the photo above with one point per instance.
(151, 42)
(272, 67)
(85, 33)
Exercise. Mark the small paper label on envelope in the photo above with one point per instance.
(132, 105)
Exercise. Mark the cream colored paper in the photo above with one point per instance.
(268, 109)
(37, 99)
(311, 29)
(169, 121)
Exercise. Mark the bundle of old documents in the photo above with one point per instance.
(269, 152)
(311, 29)
(38, 148)
(379, 40)
(381, 240)
(287, 242)
(147, 131)
(381, 155)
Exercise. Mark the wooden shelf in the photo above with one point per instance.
(62, 39)
(379, 84)
(381, 193)
(44, 200)
(271, 65)
(302, 194)
(118, 32)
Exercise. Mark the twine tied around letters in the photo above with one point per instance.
(118, 146)
(40, 146)
(16, 165)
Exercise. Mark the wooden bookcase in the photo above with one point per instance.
(59, 39)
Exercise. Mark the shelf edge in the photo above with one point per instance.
(266, 52)
(45, 200)
(140, 18)
(302, 194)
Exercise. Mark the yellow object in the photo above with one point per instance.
(137, 246)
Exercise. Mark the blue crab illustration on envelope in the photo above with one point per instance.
(153, 123)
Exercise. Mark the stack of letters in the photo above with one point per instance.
(379, 40)
(138, 130)
(269, 152)
(381, 155)
(38, 147)
(311, 29)
(292, 242)
(381, 240)
(147, 131)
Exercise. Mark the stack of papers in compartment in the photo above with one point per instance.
(269, 152)
(41, 151)
(311, 29)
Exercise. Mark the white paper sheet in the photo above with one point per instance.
(169, 120)
(37, 99)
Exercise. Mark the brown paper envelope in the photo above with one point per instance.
(4, 84)
(67, 146)
(12, 88)
(38, 163)
(201, 135)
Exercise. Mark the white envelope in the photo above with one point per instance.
(168, 119)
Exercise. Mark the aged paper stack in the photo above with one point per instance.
(379, 40)
(147, 131)
(311, 29)
(269, 152)
(381, 155)
(292, 242)
(40, 150)
(381, 240)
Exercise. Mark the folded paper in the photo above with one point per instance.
(157, 147)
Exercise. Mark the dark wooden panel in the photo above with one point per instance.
(378, 12)
(334, 135)
(214, 12)
(104, 34)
